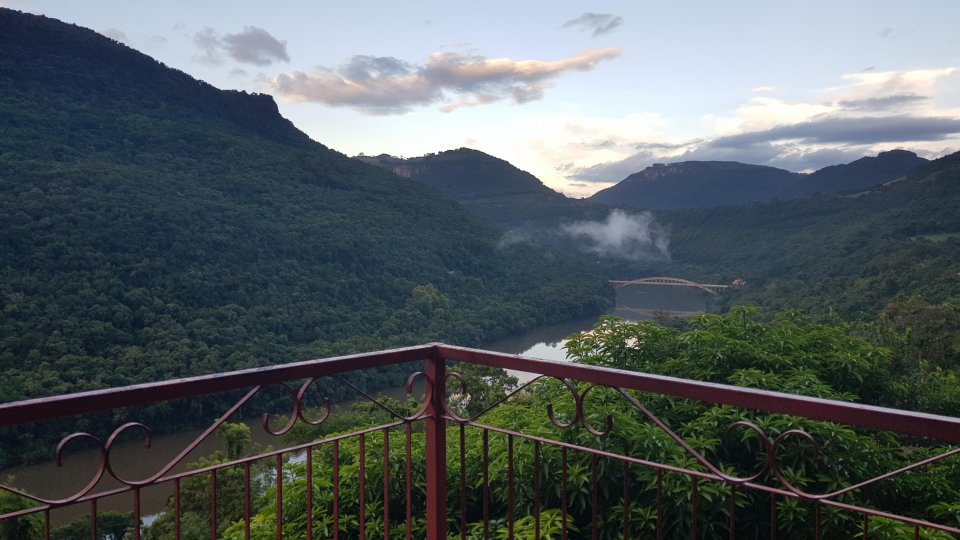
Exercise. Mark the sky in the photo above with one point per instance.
(579, 94)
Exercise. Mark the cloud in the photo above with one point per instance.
(873, 83)
(634, 237)
(871, 112)
(116, 35)
(513, 237)
(894, 101)
(596, 23)
(846, 130)
(802, 146)
(253, 45)
(616, 170)
(387, 85)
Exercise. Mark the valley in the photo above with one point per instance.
(155, 227)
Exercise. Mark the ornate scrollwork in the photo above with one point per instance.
(299, 412)
(296, 413)
(147, 440)
(411, 381)
(583, 416)
(301, 394)
(579, 415)
(576, 400)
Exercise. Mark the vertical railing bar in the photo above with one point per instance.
(435, 426)
(510, 487)
(563, 493)
(386, 483)
(816, 520)
(363, 485)
(46, 524)
(246, 500)
(626, 501)
(486, 486)
(733, 510)
(409, 481)
(136, 513)
(659, 504)
(866, 527)
(536, 489)
(336, 490)
(213, 504)
(279, 512)
(694, 502)
(93, 519)
(773, 516)
(176, 509)
(463, 484)
(309, 481)
(594, 515)
(916, 532)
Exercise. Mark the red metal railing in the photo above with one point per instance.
(552, 482)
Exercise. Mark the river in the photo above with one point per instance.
(131, 460)
(635, 303)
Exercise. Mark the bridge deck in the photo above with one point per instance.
(672, 282)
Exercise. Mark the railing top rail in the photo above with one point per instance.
(46, 408)
(944, 428)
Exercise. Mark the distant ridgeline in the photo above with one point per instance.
(703, 184)
(154, 226)
(861, 238)
(489, 187)
(877, 251)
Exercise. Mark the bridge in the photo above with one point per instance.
(673, 282)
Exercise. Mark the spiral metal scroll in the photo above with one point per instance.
(579, 416)
(770, 446)
(298, 413)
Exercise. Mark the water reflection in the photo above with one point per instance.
(132, 460)
(634, 303)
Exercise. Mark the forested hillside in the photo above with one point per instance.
(154, 226)
(707, 184)
(489, 187)
(894, 250)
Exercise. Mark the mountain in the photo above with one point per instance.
(863, 173)
(704, 184)
(154, 226)
(698, 184)
(859, 254)
(488, 187)
(465, 174)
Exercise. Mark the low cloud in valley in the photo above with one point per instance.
(633, 237)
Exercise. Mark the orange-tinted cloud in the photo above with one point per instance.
(387, 85)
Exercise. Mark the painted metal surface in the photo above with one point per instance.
(437, 419)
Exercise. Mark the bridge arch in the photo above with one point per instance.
(672, 281)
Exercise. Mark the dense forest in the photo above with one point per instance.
(491, 188)
(155, 227)
(889, 252)
(788, 352)
(704, 184)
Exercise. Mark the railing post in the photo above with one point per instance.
(436, 427)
